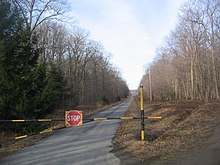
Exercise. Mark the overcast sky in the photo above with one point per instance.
(130, 30)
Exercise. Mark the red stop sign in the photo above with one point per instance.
(73, 118)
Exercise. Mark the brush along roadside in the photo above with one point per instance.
(184, 127)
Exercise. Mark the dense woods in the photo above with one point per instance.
(187, 65)
(46, 65)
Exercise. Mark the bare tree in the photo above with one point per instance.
(187, 66)
(36, 12)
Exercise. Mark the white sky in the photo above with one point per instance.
(129, 29)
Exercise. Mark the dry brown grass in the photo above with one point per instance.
(184, 127)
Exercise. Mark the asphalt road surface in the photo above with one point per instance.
(88, 144)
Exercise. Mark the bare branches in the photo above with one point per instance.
(187, 66)
(37, 12)
(89, 74)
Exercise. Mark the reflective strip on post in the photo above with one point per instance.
(18, 120)
(154, 117)
(141, 98)
(142, 135)
(21, 137)
(46, 131)
(95, 119)
(127, 118)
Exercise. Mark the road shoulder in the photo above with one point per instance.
(207, 155)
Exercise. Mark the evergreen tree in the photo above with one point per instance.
(9, 24)
(25, 89)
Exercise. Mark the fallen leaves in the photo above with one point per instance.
(184, 127)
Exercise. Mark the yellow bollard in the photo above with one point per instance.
(142, 112)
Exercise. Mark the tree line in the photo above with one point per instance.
(46, 65)
(187, 64)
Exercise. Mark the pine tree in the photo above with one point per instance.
(25, 88)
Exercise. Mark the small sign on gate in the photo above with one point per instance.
(73, 118)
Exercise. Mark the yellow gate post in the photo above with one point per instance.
(142, 112)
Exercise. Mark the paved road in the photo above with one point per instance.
(89, 144)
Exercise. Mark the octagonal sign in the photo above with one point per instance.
(73, 118)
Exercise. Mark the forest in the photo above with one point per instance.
(47, 62)
(187, 64)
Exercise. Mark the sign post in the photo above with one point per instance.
(73, 118)
(142, 112)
